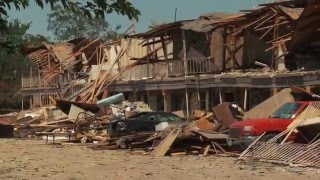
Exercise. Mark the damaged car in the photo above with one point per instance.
(243, 133)
(144, 121)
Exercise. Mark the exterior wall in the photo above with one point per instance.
(217, 49)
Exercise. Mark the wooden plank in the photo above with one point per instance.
(206, 150)
(166, 143)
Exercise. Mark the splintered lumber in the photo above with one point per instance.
(166, 143)
(178, 153)
(206, 150)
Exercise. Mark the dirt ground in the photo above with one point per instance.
(33, 159)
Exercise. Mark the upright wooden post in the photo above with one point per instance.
(274, 91)
(165, 52)
(185, 70)
(245, 102)
(135, 95)
(224, 44)
(220, 96)
(187, 102)
(148, 95)
(185, 63)
(198, 95)
(22, 104)
(207, 100)
(166, 101)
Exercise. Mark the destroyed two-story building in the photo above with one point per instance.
(186, 65)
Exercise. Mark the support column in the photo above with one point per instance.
(245, 101)
(207, 100)
(31, 102)
(22, 108)
(274, 91)
(187, 104)
(194, 101)
(142, 97)
(185, 70)
(135, 95)
(153, 102)
(167, 101)
(185, 63)
(220, 96)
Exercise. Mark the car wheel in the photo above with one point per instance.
(121, 126)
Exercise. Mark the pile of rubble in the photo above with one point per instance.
(204, 133)
(97, 125)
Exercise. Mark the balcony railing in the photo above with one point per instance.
(174, 68)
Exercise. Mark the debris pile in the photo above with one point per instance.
(303, 150)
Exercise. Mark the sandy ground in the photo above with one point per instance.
(33, 159)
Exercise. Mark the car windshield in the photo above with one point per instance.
(286, 111)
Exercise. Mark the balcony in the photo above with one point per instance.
(174, 68)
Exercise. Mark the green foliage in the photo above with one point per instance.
(90, 8)
(12, 63)
(66, 24)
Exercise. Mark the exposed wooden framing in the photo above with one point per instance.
(278, 44)
(275, 36)
(266, 33)
(271, 26)
(184, 53)
(232, 55)
(240, 29)
(157, 41)
(279, 38)
(263, 22)
(224, 43)
(165, 52)
(282, 55)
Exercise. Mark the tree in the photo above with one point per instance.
(89, 8)
(66, 24)
(98, 8)
(12, 63)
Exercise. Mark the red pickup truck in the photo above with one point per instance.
(243, 133)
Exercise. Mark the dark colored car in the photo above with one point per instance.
(145, 121)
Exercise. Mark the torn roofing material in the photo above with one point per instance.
(161, 30)
(52, 59)
(204, 23)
